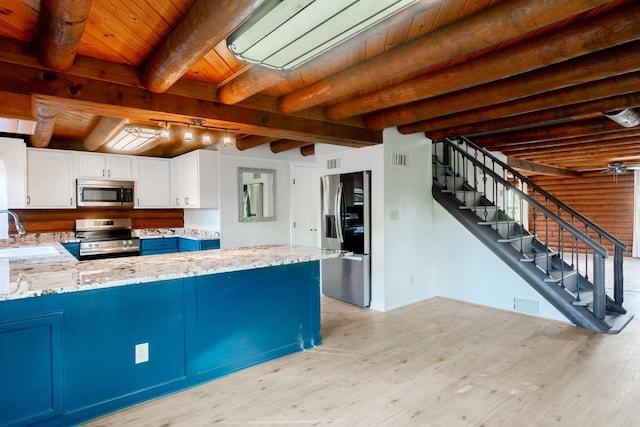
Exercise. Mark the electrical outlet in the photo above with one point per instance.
(142, 352)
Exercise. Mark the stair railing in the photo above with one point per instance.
(466, 160)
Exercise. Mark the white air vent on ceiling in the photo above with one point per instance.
(400, 159)
(333, 163)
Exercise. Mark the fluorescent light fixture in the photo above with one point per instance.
(627, 117)
(284, 34)
(133, 137)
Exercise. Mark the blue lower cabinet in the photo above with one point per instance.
(67, 358)
(31, 366)
(191, 245)
(73, 248)
(164, 245)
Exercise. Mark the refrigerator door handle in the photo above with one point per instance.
(338, 213)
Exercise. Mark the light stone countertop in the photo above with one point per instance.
(32, 277)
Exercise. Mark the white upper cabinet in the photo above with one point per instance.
(153, 182)
(13, 151)
(50, 179)
(92, 165)
(194, 180)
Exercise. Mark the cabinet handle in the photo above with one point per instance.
(138, 201)
(103, 173)
(109, 173)
(177, 202)
(186, 200)
(70, 201)
(28, 200)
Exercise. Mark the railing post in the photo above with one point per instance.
(618, 277)
(599, 293)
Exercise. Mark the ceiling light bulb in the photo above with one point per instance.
(227, 141)
(165, 133)
(188, 135)
(206, 139)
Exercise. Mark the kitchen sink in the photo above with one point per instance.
(28, 252)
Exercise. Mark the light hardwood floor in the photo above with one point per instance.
(436, 363)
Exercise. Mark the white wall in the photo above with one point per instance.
(202, 219)
(234, 233)
(409, 274)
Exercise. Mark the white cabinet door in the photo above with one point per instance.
(153, 183)
(195, 180)
(92, 165)
(119, 167)
(13, 152)
(50, 179)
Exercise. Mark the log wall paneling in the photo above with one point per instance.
(606, 201)
(56, 220)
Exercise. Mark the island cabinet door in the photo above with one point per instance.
(247, 317)
(121, 343)
(30, 369)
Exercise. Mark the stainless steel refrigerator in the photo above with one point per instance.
(346, 226)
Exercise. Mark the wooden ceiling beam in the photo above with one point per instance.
(466, 120)
(44, 128)
(18, 53)
(515, 147)
(104, 130)
(253, 141)
(60, 27)
(204, 26)
(569, 152)
(285, 145)
(481, 30)
(537, 168)
(308, 150)
(600, 65)
(16, 106)
(547, 133)
(543, 116)
(619, 26)
(122, 101)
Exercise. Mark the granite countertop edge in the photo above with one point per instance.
(43, 276)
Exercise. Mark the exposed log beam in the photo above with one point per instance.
(253, 141)
(618, 85)
(15, 52)
(308, 150)
(204, 26)
(578, 151)
(547, 133)
(44, 129)
(531, 118)
(498, 24)
(610, 62)
(514, 147)
(16, 106)
(285, 145)
(60, 27)
(257, 79)
(538, 169)
(601, 32)
(122, 101)
(105, 129)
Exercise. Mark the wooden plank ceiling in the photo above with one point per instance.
(530, 78)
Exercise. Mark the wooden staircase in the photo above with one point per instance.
(465, 178)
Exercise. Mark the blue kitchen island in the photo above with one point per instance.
(125, 330)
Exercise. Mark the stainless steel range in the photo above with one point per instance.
(106, 238)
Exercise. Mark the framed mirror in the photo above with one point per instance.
(256, 194)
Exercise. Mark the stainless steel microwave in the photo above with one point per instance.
(104, 193)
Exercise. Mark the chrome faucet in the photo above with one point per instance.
(19, 227)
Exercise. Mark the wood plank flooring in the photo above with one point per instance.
(436, 363)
